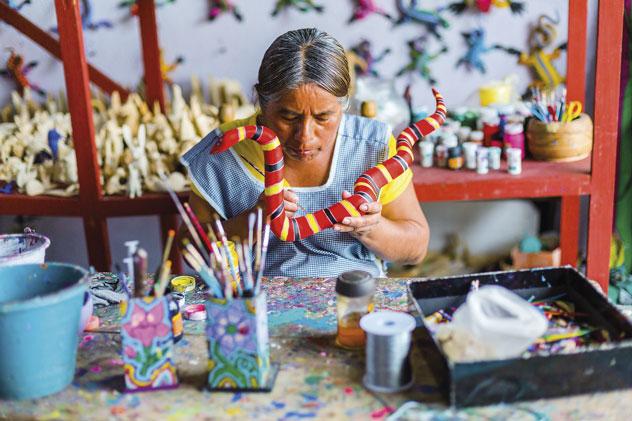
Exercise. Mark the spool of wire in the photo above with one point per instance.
(388, 337)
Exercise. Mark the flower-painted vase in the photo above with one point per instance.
(238, 343)
(147, 341)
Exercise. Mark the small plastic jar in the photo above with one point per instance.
(354, 296)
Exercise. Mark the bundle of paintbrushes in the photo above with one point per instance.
(137, 263)
(225, 266)
(551, 106)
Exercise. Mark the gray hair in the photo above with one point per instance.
(299, 57)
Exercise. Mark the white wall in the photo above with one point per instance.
(228, 49)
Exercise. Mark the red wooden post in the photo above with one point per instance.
(50, 44)
(151, 53)
(155, 93)
(80, 107)
(569, 229)
(604, 157)
(576, 57)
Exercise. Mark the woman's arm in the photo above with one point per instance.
(397, 232)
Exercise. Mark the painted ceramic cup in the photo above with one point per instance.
(238, 342)
(147, 341)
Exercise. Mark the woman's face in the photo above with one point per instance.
(306, 121)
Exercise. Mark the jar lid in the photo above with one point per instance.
(477, 136)
(355, 283)
(513, 128)
(455, 152)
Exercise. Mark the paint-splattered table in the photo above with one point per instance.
(316, 380)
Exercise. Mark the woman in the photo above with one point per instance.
(302, 91)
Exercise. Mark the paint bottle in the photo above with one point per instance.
(514, 137)
(514, 161)
(490, 129)
(175, 312)
(482, 160)
(469, 150)
(450, 140)
(477, 137)
(354, 299)
(455, 158)
(426, 150)
(463, 134)
(493, 157)
(367, 109)
(441, 156)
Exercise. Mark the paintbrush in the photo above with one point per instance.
(216, 259)
(140, 268)
(165, 253)
(123, 280)
(185, 217)
(264, 254)
(240, 262)
(259, 232)
(198, 227)
(248, 262)
(161, 283)
(204, 273)
(213, 238)
(251, 228)
(228, 257)
(192, 250)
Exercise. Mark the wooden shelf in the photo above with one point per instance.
(21, 204)
(109, 206)
(538, 179)
(147, 204)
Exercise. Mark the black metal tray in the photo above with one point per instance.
(597, 368)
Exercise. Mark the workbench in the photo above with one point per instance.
(317, 380)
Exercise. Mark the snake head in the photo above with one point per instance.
(224, 141)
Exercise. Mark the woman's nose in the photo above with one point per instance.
(304, 131)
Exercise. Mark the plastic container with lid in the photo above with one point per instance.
(514, 138)
(354, 295)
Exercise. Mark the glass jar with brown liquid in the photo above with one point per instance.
(354, 291)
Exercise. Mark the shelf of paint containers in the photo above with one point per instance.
(477, 140)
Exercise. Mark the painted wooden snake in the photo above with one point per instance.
(365, 190)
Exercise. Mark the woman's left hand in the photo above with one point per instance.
(359, 226)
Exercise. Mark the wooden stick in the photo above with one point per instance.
(228, 257)
(258, 249)
(206, 275)
(185, 218)
(161, 284)
(198, 226)
(264, 254)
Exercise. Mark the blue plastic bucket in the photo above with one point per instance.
(40, 307)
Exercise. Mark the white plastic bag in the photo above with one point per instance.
(494, 322)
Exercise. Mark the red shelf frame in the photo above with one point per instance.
(594, 177)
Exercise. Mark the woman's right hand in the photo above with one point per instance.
(290, 199)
